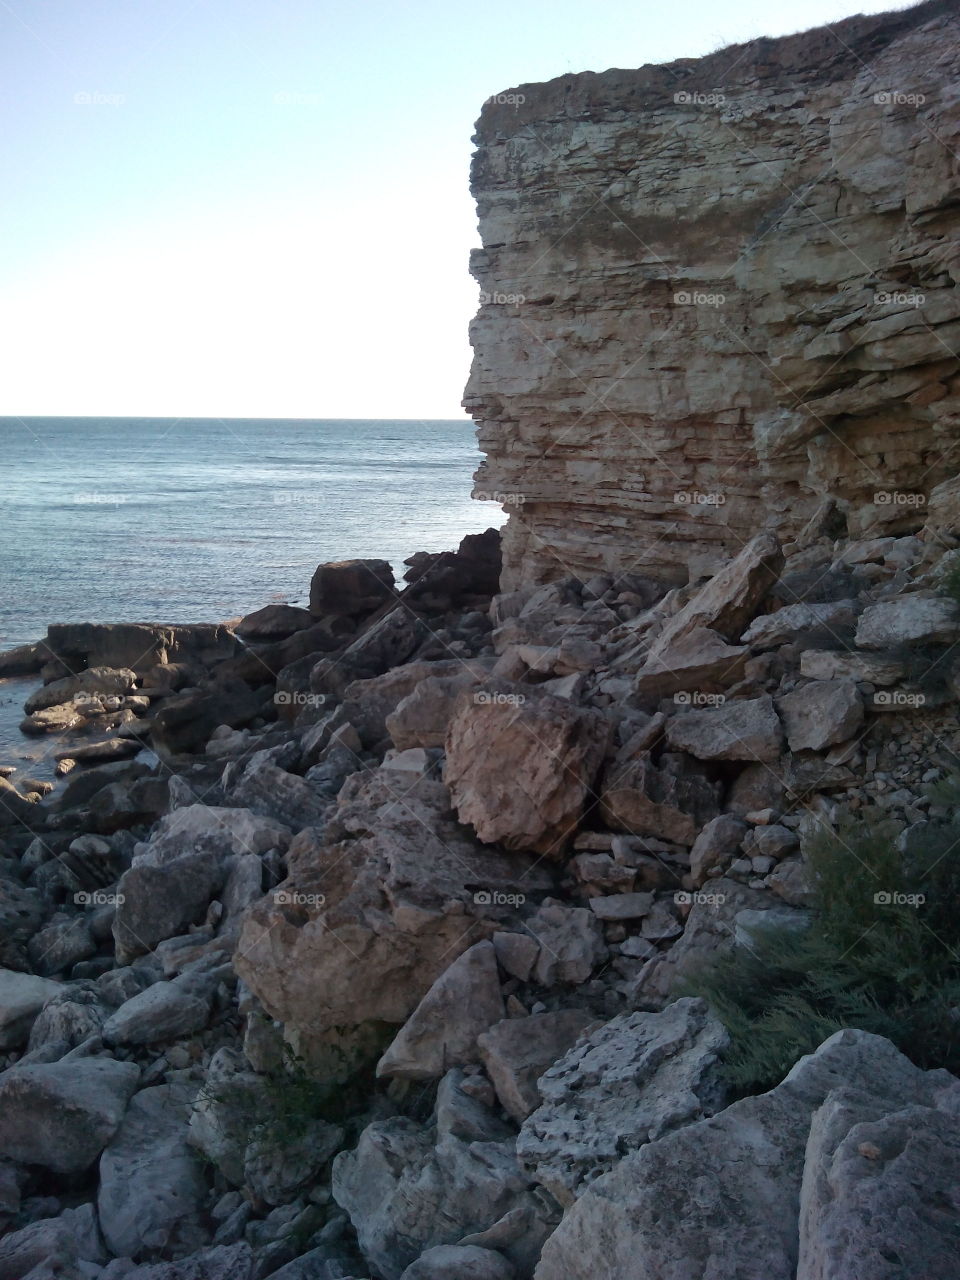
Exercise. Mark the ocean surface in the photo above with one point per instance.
(200, 520)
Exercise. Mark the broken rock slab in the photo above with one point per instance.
(625, 1083)
(748, 729)
(820, 713)
(910, 619)
(442, 1031)
(517, 1051)
(671, 801)
(700, 659)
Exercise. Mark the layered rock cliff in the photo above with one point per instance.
(718, 294)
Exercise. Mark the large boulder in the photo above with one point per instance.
(910, 619)
(222, 1262)
(396, 889)
(153, 1189)
(442, 1031)
(520, 766)
(820, 713)
(700, 659)
(62, 1114)
(722, 1196)
(164, 1011)
(177, 872)
(274, 622)
(729, 600)
(748, 729)
(61, 1244)
(350, 588)
(626, 1083)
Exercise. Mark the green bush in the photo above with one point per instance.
(882, 952)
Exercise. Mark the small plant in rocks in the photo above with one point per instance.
(882, 953)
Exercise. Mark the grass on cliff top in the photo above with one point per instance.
(882, 953)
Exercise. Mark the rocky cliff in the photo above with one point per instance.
(719, 294)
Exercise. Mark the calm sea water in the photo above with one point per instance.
(199, 520)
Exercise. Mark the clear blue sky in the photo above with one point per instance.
(260, 207)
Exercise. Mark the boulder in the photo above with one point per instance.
(625, 1083)
(350, 588)
(278, 1164)
(699, 659)
(671, 801)
(165, 1011)
(423, 717)
(517, 1051)
(786, 624)
(391, 890)
(820, 713)
(442, 1031)
(62, 1114)
(184, 723)
(54, 719)
(910, 619)
(386, 643)
(269, 791)
(60, 1244)
(823, 664)
(656, 1213)
(140, 645)
(223, 1262)
(22, 996)
(24, 660)
(729, 600)
(274, 622)
(520, 768)
(16, 810)
(454, 1262)
(194, 849)
(82, 687)
(570, 942)
(744, 730)
(453, 578)
(74, 1015)
(97, 752)
(152, 1196)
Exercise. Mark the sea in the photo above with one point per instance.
(205, 519)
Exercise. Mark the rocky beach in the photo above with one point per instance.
(499, 923)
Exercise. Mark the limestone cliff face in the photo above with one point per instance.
(738, 297)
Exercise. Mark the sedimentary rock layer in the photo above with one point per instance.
(716, 293)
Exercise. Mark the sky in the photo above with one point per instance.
(260, 208)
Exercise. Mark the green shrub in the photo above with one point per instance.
(873, 957)
(950, 576)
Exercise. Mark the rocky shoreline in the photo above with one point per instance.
(372, 971)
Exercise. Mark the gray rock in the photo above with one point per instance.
(152, 1184)
(744, 730)
(823, 664)
(716, 844)
(570, 941)
(910, 619)
(61, 1115)
(820, 713)
(453, 1262)
(277, 1165)
(58, 1243)
(626, 1083)
(58, 947)
(516, 953)
(442, 1031)
(772, 629)
(224, 1262)
(721, 1196)
(165, 1011)
(517, 1051)
(71, 1017)
(22, 996)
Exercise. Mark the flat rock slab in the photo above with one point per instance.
(517, 1051)
(744, 730)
